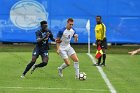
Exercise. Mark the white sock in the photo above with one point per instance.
(76, 66)
(63, 66)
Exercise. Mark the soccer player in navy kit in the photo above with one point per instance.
(42, 47)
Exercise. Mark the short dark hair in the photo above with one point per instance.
(70, 19)
(99, 16)
(43, 22)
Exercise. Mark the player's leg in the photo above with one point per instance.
(104, 57)
(44, 56)
(63, 66)
(28, 67)
(104, 47)
(76, 64)
(32, 62)
(75, 59)
(43, 63)
(99, 61)
(66, 63)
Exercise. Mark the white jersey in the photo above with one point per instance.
(65, 35)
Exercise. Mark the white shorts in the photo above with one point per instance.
(65, 53)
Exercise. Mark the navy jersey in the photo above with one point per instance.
(44, 43)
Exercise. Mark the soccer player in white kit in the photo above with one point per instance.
(64, 48)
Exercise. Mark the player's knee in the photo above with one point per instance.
(45, 59)
(33, 59)
(68, 64)
(76, 60)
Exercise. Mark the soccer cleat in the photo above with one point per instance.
(33, 68)
(96, 64)
(60, 72)
(102, 65)
(76, 77)
(22, 76)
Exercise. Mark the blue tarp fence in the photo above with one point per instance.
(19, 19)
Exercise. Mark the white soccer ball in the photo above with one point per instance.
(82, 76)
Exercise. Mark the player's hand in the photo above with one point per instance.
(58, 41)
(75, 37)
(47, 34)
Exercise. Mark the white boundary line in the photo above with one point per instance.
(45, 88)
(104, 76)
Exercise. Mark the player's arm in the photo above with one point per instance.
(39, 38)
(58, 41)
(51, 36)
(75, 38)
(104, 30)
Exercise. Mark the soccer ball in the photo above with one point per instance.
(82, 76)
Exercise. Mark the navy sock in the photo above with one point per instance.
(104, 57)
(28, 67)
(99, 60)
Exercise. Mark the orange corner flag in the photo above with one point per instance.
(99, 52)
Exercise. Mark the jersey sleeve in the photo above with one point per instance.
(104, 27)
(37, 34)
(60, 33)
(104, 30)
(51, 36)
(74, 32)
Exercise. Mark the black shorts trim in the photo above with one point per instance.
(103, 43)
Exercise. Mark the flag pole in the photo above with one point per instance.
(89, 42)
(88, 29)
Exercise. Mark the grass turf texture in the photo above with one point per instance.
(122, 70)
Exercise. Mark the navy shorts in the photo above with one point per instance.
(39, 51)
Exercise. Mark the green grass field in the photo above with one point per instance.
(122, 70)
